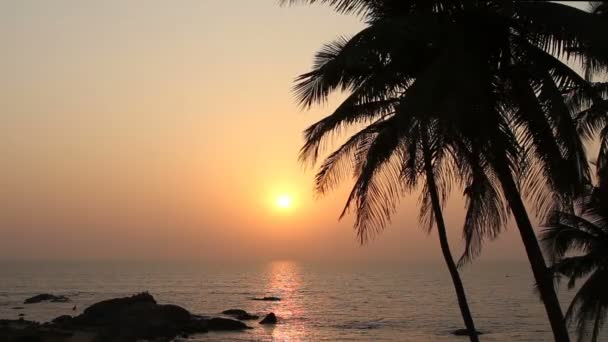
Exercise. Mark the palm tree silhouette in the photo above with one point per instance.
(489, 74)
(578, 242)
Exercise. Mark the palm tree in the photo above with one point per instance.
(578, 242)
(489, 71)
(389, 156)
(576, 238)
(433, 193)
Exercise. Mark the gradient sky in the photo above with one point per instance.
(166, 129)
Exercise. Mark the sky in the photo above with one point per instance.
(167, 130)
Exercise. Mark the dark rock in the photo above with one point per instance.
(127, 319)
(20, 331)
(270, 299)
(146, 320)
(29, 337)
(234, 312)
(225, 324)
(46, 297)
(143, 320)
(136, 317)
(247, 317)
(464, 332)
(18, 308)
(62, 320)
(140, 317)
(271, 318)
(240, 314)
(195, 326)
(107, 311)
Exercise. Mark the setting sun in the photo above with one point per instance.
(284, 201)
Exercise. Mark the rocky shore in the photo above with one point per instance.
(127, 319)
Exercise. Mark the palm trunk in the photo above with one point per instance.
(445, 247)
(542, 275)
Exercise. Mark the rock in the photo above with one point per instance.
(20, 331)
(271, 318)
(62, 320)
(136, 317)
(247, 317)
(140, 317)
(18, 308)
(234, 312)
(240, 314)
(464, 332)
(46, 297)
(127, 319)
(225, 324)
(148, 321)
(270, 299)
(107, 311)
(196, 326)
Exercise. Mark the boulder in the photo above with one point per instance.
(269, 299)
(240, 314)
(195, 326)
(271, 318)
(127, 319)
(20, 331)
(46, 297)
(247, 317)
(149, 321)
(225, 324)
(234, 312)
(107, 311)
(62, 320)
(136, 317)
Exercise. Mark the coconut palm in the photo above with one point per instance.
(439, 159)
(578, 242)
(392, 156)
(490, 73)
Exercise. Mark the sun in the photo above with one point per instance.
(284, 201)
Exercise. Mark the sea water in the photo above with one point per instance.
(392, 301)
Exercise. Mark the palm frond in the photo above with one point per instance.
(377, 188)
(565, 31)
(349, 113)
(379, 49)
(342, 161)
(487, 212)
(342, 6)
(589, 306)
(569, 232)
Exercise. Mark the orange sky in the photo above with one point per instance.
(166, 129)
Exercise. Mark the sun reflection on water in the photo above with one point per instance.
(285, 281)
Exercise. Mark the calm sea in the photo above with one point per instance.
(321, 302)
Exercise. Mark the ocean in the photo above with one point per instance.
(320, 301)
